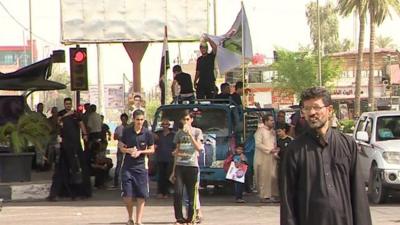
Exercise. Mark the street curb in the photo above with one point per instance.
(24, 191)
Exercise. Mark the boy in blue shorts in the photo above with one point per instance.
(136, 143)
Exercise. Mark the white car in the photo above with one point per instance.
(378, 138)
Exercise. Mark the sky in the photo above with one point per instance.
(272, 24)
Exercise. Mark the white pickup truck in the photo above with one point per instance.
(378, 138)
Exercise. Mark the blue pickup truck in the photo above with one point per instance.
(222, 125)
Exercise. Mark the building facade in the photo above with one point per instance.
(13, 58)
(386, 81)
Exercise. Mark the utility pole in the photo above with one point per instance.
(319, 75)
(100, 81)
(31, 45)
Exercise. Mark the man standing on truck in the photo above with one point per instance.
(322, 182)
(205, 79)
(185, 82)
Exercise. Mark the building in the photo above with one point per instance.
(14, 57)
(386, 81)
(259, 90)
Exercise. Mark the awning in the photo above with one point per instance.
(30, 78)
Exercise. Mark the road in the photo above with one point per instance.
(106, 208)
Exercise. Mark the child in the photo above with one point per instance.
(283, 141)
(238, 158)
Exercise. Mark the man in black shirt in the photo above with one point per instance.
(322, 182)
(225, 91)
(280, 119)
(185, 82)
(205, 78)
(238, 92)
(71, 175)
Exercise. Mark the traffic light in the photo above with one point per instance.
(80, 108)
(78, 69)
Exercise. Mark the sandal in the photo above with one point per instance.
(180, 222)
(198, 219)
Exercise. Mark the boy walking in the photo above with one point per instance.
(136, 143)
(188, 143)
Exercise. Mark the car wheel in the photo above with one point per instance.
(376, 191)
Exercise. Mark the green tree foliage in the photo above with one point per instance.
(297, 71)
(61, 76)
(329, 28)
(151, 108)
(31, 128)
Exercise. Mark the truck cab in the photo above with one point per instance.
(378, 139)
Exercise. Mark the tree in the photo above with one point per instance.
(384, 42)
(56, 98)
(297, 71)
(329, 24)
(378, 11)
(346, 7)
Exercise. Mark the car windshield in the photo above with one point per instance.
(210, 120)
(388, 128)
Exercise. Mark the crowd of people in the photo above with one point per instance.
(303, 165)
(307, 163)
(308, 166)
(74, 164)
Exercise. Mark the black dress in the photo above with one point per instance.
(64, 182)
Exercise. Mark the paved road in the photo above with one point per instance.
(106, 208)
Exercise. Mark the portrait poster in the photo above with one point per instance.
(236, 173)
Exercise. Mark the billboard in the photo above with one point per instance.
(114, 97)
(116, 21)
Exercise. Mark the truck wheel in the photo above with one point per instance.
(376, 192)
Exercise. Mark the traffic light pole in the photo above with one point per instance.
(78, 100)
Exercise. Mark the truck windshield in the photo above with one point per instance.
(388, 128)
(209, 120)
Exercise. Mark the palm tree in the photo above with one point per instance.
(384, 42)
(378, 11)
(346, 7)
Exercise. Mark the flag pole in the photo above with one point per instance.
(243, 74)
(165, 52)
(165, 64)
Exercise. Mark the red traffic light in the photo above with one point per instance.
(79, 56)
(80, 108)
(78, 69)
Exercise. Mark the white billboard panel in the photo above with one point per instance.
(93, 21)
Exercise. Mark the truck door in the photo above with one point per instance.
(364, 147)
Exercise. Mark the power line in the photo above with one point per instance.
(21, 25)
